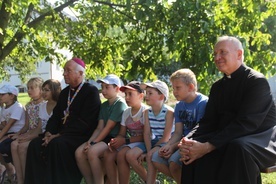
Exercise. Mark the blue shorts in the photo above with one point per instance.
(173, 158)
(5, 149)
(143, 145)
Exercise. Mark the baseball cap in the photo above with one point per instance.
(9, 89)
(111, 79)
(160, 85)
(133, 85)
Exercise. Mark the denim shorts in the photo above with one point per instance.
(143, 145)
(173, 158)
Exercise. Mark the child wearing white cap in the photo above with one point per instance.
(13, 114)
(89, 154)
(158, 128)
(12, 120)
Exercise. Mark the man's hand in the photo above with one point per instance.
(190, 150)
(48, 137)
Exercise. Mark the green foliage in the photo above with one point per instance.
(142, 39)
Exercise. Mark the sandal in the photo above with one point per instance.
(12, 179)
(2, 177)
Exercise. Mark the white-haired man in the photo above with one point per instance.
(50, 157)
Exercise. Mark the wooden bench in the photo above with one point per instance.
(269, 169)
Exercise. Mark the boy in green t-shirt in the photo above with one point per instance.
(88, 155)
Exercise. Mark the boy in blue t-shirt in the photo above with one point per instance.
(188, 111)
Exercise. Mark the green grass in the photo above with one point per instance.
(269, 178)
(266, 179)
(23, 98)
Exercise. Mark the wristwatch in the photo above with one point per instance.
(92, 143)
(127, 140)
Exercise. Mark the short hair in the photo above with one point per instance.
(36, 82)
(235, 41)
(80, 68)
(54, 86)
(186, 75)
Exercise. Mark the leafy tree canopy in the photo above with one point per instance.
(135, 39)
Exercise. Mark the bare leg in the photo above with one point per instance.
(2, 168)
(2, 172)
(163, 168)
(152, 172)
(175, 171)
(95, 153)
(16, 161)
(22, 151)
(132, 158)
(83, 164)
(110, 163)
(123, 166)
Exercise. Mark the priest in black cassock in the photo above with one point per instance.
(236, 137)
(51, 157)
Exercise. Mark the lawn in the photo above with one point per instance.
(23, 98)
(269, 178)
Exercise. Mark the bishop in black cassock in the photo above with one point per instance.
(50, 157)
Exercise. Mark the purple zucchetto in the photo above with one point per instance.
(79, 61)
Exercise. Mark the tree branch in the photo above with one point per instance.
(43, 16)
(4, 17)
(28, 15)
(19, 35)
(112, 4)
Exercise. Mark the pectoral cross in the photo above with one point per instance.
(65, 117)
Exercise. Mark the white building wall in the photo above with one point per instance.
(45, 70)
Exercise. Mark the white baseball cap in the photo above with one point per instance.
(160, 85)
(9, 89)
(111, 79)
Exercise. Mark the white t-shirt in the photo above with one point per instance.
(17, 112)
(134, 123)
(43, 115)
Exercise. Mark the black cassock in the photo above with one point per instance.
(56, 164)
(240, 121)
